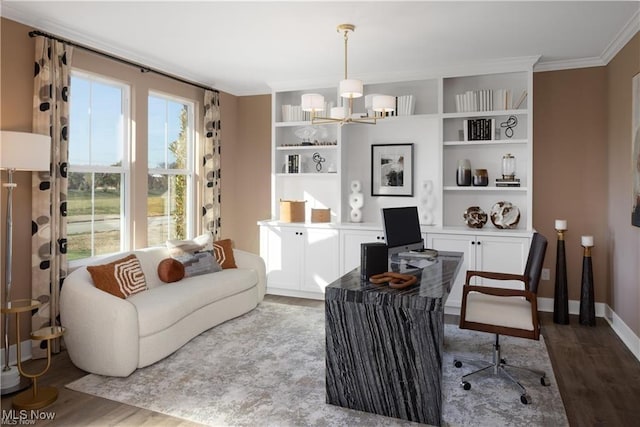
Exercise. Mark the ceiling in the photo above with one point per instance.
(247, 48)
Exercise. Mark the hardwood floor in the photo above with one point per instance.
(598, 378)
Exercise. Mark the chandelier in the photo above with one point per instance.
(348, 89)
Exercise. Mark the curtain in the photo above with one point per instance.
(49, 189)
(211, 164)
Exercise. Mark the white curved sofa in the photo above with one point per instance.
(112, 336)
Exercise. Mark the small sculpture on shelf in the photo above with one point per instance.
(318, 160)
(512, 122)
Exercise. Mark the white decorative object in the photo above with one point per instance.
(356, 201)
(427, 199)
(561, 224)
(587, 241)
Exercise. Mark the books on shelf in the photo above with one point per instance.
(488, 100)
(500, 182)
(479, 129)
(405, 105)
(293, 163)
(294, 113)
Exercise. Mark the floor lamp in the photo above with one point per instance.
(19, 151)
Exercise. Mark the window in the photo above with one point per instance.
(170, 206)
(98, 166)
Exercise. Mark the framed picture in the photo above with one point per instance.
(392, 170)
(635, 147)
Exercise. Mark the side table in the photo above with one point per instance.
(36, 397)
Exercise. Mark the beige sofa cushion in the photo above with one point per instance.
(164, 305)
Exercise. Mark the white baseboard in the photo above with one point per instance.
(25, 353)
(546, 304)
(628, 337)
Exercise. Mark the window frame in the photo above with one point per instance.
(126, 217)
(191, 171)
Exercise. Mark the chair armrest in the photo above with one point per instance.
(497, 276)
(498, 292)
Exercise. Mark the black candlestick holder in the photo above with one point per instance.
(561, 299)
(587, 303)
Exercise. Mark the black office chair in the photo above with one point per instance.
(502, 311)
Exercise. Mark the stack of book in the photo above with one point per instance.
(405, 105)
(501, 182)
(293, 163)
(479, 129)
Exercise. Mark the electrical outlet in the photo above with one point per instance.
(545, 274)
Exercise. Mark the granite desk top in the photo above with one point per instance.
(435, 279)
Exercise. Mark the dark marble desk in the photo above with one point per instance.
(384, 346)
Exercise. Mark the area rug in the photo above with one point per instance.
(267, 368)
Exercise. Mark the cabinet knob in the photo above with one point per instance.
(479, 243)
(473, 242)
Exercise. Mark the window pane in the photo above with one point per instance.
(80, 113)
(97, 134)
(157, 138)
(167, 135)
(93, 215)
(166, 208)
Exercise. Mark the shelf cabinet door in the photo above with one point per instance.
(503, 255)
(350, 241)
(483, 253)
(284, 248)
(321, 259)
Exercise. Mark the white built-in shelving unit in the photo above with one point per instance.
(435, 130)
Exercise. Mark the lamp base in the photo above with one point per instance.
(28, 400)
(12, 381)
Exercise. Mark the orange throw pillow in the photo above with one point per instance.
(170, 270)
(223, 251)
(121, 278)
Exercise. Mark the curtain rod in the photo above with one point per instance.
(143, 68)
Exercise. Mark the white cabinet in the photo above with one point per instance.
(301, 261)
(350, 241)
(485, 253)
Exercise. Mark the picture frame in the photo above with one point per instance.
(392, 170)
(635, 150)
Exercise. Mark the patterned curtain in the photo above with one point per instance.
(211, 164)
(49, 189)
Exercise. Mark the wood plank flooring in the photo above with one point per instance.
(598, 378)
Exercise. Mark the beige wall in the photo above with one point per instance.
(570, 171)
(246, 171)
(624, 239)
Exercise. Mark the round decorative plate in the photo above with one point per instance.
(505, 215)
(475, 217)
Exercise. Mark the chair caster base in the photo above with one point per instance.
(525, 399)
(465, 385)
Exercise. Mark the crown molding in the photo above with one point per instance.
(622, 38)
(625, 34)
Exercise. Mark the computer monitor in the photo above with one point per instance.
(402, 229)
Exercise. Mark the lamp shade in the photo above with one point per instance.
(312, 102)
(351, 88)
(384, 103)
(24, 151)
